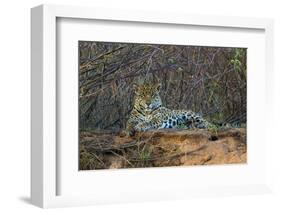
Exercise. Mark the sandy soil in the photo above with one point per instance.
(162, 148)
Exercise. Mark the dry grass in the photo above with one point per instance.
(208, 80)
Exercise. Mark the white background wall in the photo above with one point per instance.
(15, 105)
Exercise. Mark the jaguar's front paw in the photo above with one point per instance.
(127, 133)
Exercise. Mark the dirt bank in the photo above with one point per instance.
(104, 150)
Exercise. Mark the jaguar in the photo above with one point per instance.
(148, 113)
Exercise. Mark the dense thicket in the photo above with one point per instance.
(207, 80)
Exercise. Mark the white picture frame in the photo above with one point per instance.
(44, 154)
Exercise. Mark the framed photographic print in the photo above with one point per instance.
(130, 106)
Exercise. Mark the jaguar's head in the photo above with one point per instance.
(147, 97)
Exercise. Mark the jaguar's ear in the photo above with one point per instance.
(158, 87)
